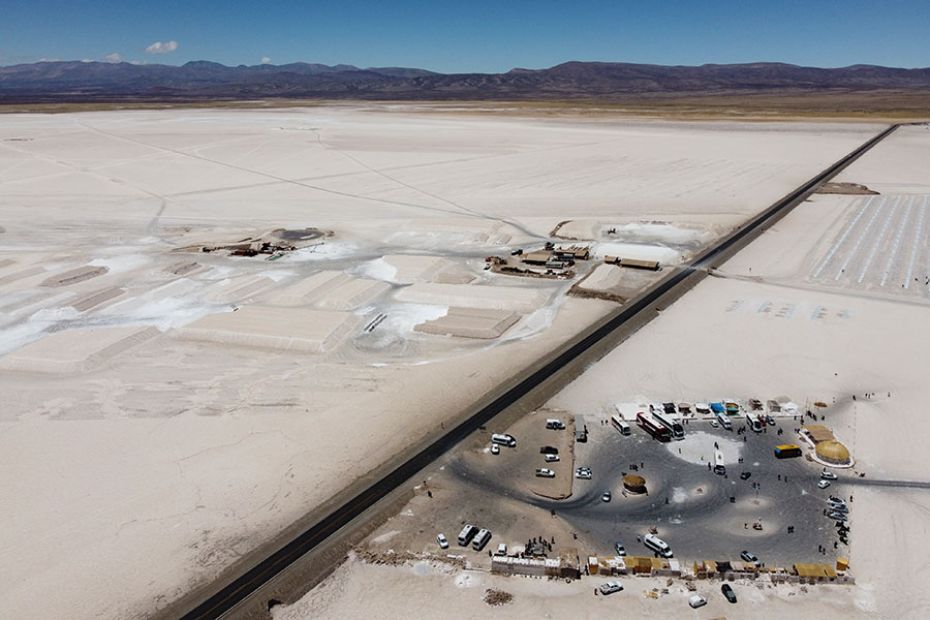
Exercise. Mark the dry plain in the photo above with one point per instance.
(166, 412)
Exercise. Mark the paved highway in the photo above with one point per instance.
(227, 597)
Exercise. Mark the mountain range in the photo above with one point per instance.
(93, 81)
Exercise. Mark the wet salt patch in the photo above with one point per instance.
(667, 233)
(322, 252)
(679, 495)
(637, 250)
(378, 269)
(278, 275)
(407, 513)
(120, 264)
(402, 318)
(34, 327)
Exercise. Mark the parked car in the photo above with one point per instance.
(501, 549)
(837, 516)
(826, 474)
(552, 458)
(583, 473)
(548, 450)
(442, 540)
(823, 484)
(728, 592)
(745, 475)
(606, 497)
(836, 500)
(543, 472)
(495, 449)
(747, 556)
(610, 587)
(770, 420)
(620, 549)
(714, 424)
(696, 600)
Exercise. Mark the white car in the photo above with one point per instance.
(696, 600)
(544, 472)
(443, 541)
(583, 473)
(823, 484)
(610, 587)
(826, 474)
(495, 449)
(552, 458)
(714, 424)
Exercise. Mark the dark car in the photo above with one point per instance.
(745, 475)
(728, 592)
(548, 450)
(747, 556)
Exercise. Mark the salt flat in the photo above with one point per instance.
(762, 325)
(166, 462)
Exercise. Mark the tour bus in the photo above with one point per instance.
(753, 423)
(481, 539)
(787, 451)
(673, 425)
(504, 440)
(468, 532)
(719, 466)
(724, 420)
(658, 545)
(620, 424)
(649, 424)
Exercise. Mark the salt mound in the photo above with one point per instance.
(513, 298)
(288, 329)
(77, 350)
(471, 323)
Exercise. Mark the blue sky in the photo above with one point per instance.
(475, 35)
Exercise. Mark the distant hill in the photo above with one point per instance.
(90, 81)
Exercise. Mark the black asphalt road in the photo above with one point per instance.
(252, 579)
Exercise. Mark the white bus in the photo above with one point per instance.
(669, 422)
(504, 440)
(620, 424)
(724, 420)
(719, 466)
(481, 539)
(468, 532)
(658, 545)
(753, 423)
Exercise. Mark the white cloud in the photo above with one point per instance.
(266, 60)
(114, 57)
(162, 47)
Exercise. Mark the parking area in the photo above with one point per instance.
(701, 514)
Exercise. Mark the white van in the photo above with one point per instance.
(468, 532)
(504, 440)
(555, 424)
(724, 420)
(658, 545)
(753, 423)
(481, 539)
(620, 424)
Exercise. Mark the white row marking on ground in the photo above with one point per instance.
(842, 238)
(896, 244)
(865, 232)
(878, 240)
(915, 246)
